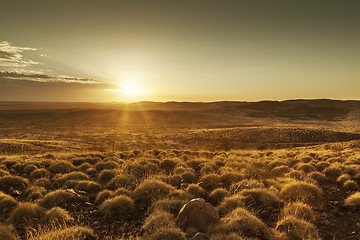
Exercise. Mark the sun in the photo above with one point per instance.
(130, 89)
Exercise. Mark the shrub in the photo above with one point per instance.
(157, 220)
(168, 165)
(229, 178)
(89, 187)
(332, 172)
(26, 214)
(136, 170)
(102, 196)
(7, 233)
(196, 191)
(302, 191)
(71, 233)
(106, 165)
(210, 181)
(350, 185)
(353, 200)
(29, 169)
(171, 205)
(280, 170)
(122, 180)
(34, 192)
(58, 217)
(7, 204)
(299, 210)
(218, 195)
(9, 184)
(322, 165)
(297, 229)
(72, 176)
(319, 177)
(107, 175)
(40, 173)
(175, 180)
(3, 173)
(60, 198)
(43, 182)
(151, 190)
(61, 166)
(120, 208)
(188, 177)
(230, 203)
(246, 184)
(305, 167)
(244, 222)
(260, 198)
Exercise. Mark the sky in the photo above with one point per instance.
(188, 50)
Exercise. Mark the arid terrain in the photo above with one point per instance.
(271, 170)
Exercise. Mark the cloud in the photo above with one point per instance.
(41, 77)
(11, 56)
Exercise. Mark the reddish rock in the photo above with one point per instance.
(197, 214)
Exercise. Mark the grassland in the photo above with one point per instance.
(273, 170)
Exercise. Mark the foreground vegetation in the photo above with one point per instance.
(298, 193)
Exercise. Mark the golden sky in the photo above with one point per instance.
(188, 50)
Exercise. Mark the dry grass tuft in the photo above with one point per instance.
(58, 217)
(151, 190)
(7, 233)
(218, 195)
(7, 204)
(299, 210)
(302, 191)
(119, 208)
(353, 200)
(243, 222)
(60, 198)
(71, 233)
(61, 166)
(26, 214)
(297, 229)
(9, 184)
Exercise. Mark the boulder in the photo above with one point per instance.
(197, 214)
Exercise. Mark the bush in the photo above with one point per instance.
(7, 204)
(107, 175)
(244, 222)
(210, 181)
(102, 196)
(71, 176)
(40, 173)
(9, 184)
(171, 205)
(89, 187)
(106, 165)
(58, 217)
(7, 233)
(302, 191)
(188, 177)
(61, 167)
(167, 234)
(353, 200)
(26, 214)
(230, 203)
(319, 177)
(196, 191)
(71, 233)
(60, 198)
(305, 167)
(299, 210)
(28, 169)
(332, 172)
(168, 165)
(151, 190)
(350, 185)
(34, 192)
(120, 208)
(261, 199)
(229, 178)
(246, 184)
(218, 195)
(122, 180)
(157, 220)
(297, 229)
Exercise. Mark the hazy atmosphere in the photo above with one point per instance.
(178, 50)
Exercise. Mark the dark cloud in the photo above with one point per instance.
(10, 56)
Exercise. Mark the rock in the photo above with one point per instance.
(197, 214)
(201, 236)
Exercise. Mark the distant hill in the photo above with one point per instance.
(177, 114)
